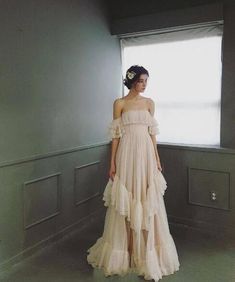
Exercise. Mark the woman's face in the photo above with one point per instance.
(141, 83)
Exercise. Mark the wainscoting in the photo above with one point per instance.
(201, 188)
(43, 198)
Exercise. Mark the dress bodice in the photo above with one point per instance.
(133, 117)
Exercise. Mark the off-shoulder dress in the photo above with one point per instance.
(136, 236)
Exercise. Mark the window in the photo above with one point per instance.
(185, 81)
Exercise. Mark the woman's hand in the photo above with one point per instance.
(112, 171)
(159, 165)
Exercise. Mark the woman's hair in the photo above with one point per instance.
(133, 74)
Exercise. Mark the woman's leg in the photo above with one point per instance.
(130, 240)
(145, 233)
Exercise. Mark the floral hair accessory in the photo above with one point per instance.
(131, 74)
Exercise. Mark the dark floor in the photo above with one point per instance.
(202, 259)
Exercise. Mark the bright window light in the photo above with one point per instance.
(185, 84)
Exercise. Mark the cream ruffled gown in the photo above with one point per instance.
(136, 236)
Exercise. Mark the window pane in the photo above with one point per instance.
(185, 83)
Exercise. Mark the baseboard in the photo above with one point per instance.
(219, 232)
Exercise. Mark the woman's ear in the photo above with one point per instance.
(133, 84)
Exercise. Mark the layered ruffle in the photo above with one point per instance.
(112, 261)
(155, 258)
(116, 128)
(153, 127)
(138, 116)
(137, 212)
(157, 262)
(117, 195)
(160, 260)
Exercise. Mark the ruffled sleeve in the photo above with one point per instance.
(116, 128)
(153, 126)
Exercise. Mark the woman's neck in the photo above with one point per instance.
(133, 95)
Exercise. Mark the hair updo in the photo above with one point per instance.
(133, 74)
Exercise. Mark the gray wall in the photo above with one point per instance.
(56, 60)
(193, 173)
(60, 72)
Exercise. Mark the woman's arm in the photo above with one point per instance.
(153, 137)
(117, 110)
(115, 142)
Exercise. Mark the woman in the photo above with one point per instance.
(136, 236)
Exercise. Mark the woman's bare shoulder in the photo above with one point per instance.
(118, 102)
(150, 102)
(117, 107)
(151, 105)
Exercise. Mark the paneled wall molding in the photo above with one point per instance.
(209, 188)
(91, 176)
(53, 154)
(201, 148)
(27, 200)
(197, 148)
(39, 199)
(192, 16)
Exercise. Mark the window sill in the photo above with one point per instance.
(200, 148)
